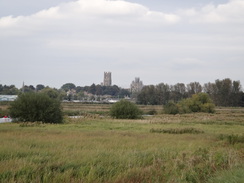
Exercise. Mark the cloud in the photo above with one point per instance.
(93, 9)
(83, 38)
(231, 12)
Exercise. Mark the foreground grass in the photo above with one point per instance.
(108, 150)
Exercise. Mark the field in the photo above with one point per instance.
(95, 148)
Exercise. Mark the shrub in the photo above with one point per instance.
(152, 112)
(232, 139)
(200, 102)
(36, 107)
(125, 110)
(3, 112)
(171, 108)
(203, 103)
(177, 131)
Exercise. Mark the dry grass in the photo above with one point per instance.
(101, 149)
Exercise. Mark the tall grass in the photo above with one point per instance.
(107, 150)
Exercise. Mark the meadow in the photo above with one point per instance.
(96, 148)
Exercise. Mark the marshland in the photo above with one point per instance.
(93, 147)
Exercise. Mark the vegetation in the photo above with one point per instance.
(223, 93)
(3, 112)
(114, 150)
(200, 102)
(8, 90)
(177, 130)
(125, 110)
(34, 107)
(97, 90)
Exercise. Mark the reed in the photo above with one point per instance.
(102, 149)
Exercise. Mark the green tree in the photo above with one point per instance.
(178, 92)
(148, 96)
(34, 107)
(125, 110)
(162, 93)
(193, 88)
(92, 89)
(200, 102)
(171, 108)
(224, 92)
(28, 89)
(8, 90)
(39, 87)
(52, 93)
(68, 86)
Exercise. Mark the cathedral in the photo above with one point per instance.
(107, 81)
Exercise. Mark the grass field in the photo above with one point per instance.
(161, 148)
(72, 108)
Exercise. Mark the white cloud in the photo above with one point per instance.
(93, 9)
(231, 12)
(52, 13)
(8, 21)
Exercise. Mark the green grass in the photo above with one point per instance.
(98, 149)
(235, 175)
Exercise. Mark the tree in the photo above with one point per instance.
(224, 92)
(99, 90)
(163, 93)
(193, 88)
(92, 89)
(178, 92)
(200, 102)
(8, 90)
(148, 96)
(39, 87)
(52, 93)
(28, 89)
(123, 93)
(171, 108)
(36, 107)
(68, 86)
(125, 110)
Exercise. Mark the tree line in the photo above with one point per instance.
(223, 93)
(68, 91)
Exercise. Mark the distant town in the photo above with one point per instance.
(104, 92)
(223, 92)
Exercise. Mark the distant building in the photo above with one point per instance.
(107, 81)
(8, 97)
(136, 86)
(71, 92)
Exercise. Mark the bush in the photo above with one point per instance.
(177, 131)
(152, 112)
(3, 112)
(200, 102)
(125, 110)
(36, 107)
(171, 108)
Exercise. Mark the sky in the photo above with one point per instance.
(64, 41)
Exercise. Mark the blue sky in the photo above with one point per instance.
(60, 41)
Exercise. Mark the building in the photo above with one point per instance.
(8, 97)
(107, 81)
(136, 86)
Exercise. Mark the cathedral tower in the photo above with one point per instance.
(107, 81)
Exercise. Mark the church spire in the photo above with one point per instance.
(23, 87)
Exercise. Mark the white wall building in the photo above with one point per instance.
(8, 97)
(136, 85)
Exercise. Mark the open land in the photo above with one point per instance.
(195, 147)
